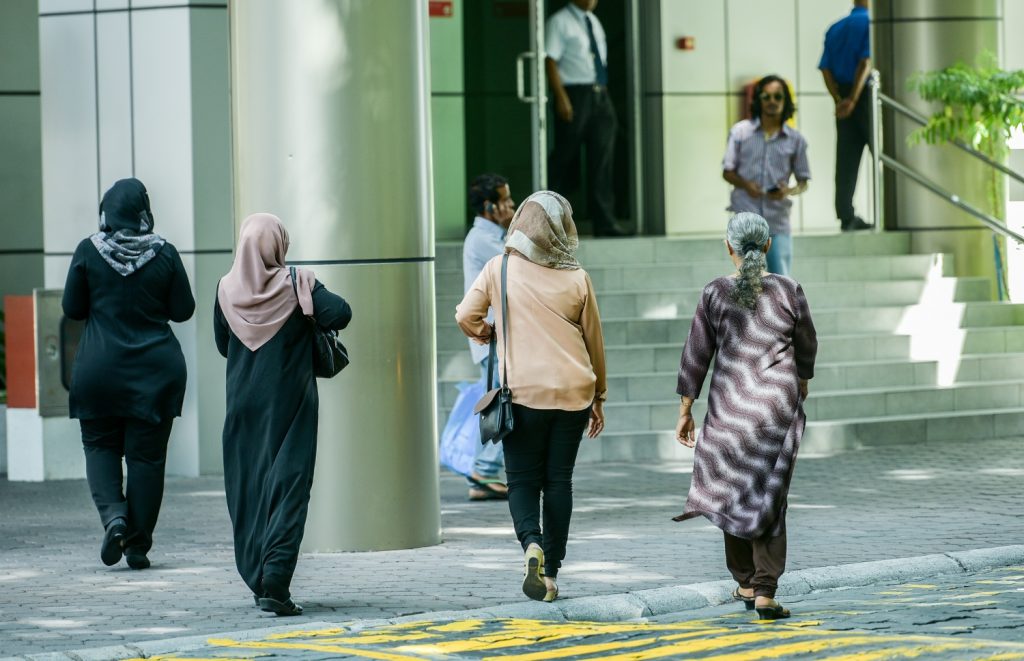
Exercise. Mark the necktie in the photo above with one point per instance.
(599, 68)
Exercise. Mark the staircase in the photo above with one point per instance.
(907, 352)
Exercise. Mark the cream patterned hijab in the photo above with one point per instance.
(543, 231)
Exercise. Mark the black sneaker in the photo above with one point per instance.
(113, 542)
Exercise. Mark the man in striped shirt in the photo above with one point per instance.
(762, 159)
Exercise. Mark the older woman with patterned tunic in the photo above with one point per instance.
(758, 328)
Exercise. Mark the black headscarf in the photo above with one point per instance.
(126, 240)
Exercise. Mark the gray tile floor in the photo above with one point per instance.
(881, 503)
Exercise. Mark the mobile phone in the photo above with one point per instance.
(773, 189)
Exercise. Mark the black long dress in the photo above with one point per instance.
(270, 439)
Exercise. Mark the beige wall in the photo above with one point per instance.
(144, 93)
(738, 41)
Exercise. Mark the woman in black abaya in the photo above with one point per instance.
(260, 326)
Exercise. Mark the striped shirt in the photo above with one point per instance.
(766, 162)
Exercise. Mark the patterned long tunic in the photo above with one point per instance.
(747, 448)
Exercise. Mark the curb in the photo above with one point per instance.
(606, 608)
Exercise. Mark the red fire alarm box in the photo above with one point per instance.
(686, 43)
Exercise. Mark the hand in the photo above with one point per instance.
(563, 107)
(596, 425)
(803, 389)
(753, 189)
(844, 108)
(782, 192)
(684, 430)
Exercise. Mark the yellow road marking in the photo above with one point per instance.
(459, 626)
(691, 647)
(315, 647)
(593, 648)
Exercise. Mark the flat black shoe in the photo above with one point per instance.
(284, 608)
(113, 542)
(776, 612)
(136, 559)
(747, 601)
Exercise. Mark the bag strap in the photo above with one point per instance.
(295, 288)
(492, 356)
(504, 321)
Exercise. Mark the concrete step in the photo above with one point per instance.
(668, 250)
(905, 319)
(885, 402)
(827, 377)
(674, 303)
(634, 277)
(824, 437)
(664, 356)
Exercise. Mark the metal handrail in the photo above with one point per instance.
(923, 121)
(879, 100)
(992, 222)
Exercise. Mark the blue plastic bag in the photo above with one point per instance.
(460, 439)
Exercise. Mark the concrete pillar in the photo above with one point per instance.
(141, 89)
(330, 110)
(912, 36)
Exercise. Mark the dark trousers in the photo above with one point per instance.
(756, 563)
(144, 448)
(540, 455)
(852, 135)
(593, 124)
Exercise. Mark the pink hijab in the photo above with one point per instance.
(256, 295)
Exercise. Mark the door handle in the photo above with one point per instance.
(521, 77)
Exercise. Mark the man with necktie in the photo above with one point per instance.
(577, 68)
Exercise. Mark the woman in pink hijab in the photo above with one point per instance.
(261, 325)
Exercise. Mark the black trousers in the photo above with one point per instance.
(756, 563)
(144, 448)
(540, 455)
(593, 125)
(852, 135)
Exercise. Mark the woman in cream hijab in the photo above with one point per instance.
(556, 373)
(261, 327)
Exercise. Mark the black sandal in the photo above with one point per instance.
(776, 612)
(748, 602)
(284, 608)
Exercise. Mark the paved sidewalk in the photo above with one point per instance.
(859, 506)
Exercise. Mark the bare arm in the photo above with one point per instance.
(563, 107)
(860, 79)
(752, 187)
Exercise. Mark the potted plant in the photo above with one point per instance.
(979, 107)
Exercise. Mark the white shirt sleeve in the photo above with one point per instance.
(554, 38)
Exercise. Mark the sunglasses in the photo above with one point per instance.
(777, 96)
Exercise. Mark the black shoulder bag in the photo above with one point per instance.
(329, 355)
(495, 407)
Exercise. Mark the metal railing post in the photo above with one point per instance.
(876, 149)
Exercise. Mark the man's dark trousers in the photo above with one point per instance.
(593, 124)
(852, 135)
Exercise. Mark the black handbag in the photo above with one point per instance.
(329, 355)
(495, 407)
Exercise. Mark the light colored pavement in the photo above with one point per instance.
(877, 504)
(973, 616)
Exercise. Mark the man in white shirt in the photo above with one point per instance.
(577, 68)
(491, 200)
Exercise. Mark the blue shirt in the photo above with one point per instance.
(485, 240)
(755, 157)
(847, 42)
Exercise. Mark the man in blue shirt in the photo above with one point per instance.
(491, 200)
(846, 66)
